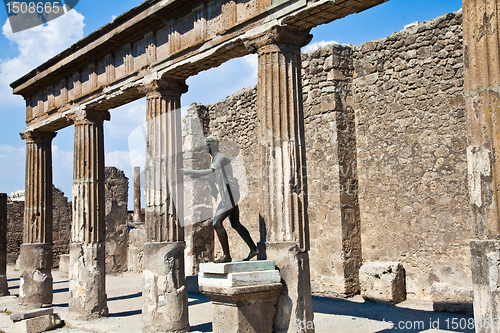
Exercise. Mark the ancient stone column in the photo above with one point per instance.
(165, 297)
(87, 254)
(137, 194)
(482, 99)
(283, 195)
(4, 289)
(35, 287)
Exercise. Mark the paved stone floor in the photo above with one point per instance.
(331, 314)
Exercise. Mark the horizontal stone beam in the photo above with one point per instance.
(173, 38)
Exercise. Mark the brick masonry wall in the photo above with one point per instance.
(411, 137)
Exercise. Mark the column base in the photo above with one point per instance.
(87, 281)
(165, 306)
(35, 287)
(294, 307)
(485, 256)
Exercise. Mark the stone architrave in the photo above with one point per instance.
(165, 296)
(87, 287)
(137, 194)
(36, 257)
(283, 195)
(4, 289)
(482, 101)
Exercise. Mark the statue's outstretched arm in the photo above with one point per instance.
(196, 173)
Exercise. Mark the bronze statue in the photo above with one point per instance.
(222, 170)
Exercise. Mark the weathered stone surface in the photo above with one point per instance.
(35, 285)
(451, 298)
(383, 282)
(87, 287)
(485, 256)
(31, 314)
(116, 189)
(411, 145)
(36, 279)
(136, 240)
(165, 296)
(39, 324)
(64, 265)
(137, 195)
(87, 284)
(61, 217)
(294, 302)
(243, 309)
(236, 267)
(4, 288)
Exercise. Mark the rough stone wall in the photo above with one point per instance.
(60, 229)
(15, 217)
(334, 220)
(411, 130)
(61, 224)
(116, 188)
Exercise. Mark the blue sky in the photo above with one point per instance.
(23, 51)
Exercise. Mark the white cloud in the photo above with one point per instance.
(317, 45)
(37, 45)
(62, 159)
(125, 119)
(119, 159)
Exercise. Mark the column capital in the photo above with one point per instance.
(280, 36)
(37, 136)
(167, 86)
(89, 116)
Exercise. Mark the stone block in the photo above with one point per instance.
(64, 265)
(243, 300)
(237, 266)
(192, 286)
(383, 282)
(31, 314)
(451, 298)
(38, 324)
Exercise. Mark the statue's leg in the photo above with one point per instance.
(234, 218)
(221, 232)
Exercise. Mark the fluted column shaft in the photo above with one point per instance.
(482, 100)
(36, 250)
(164, 250)
(88, 179)
(281, 142)
(163, 161)
(283, 191)
(87, 253)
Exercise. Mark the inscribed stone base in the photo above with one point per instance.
(485, 258)
(246, 309)
(165, 307)
(451, 298)
(294, 306)
(35, 287)
(87, 281)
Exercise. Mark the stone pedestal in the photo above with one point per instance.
(87, 284)
(244, 294)
(64, 265)
(35, 286)
(485, 256)
(383, 282)
(165, 306)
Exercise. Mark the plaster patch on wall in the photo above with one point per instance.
(478, 163)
